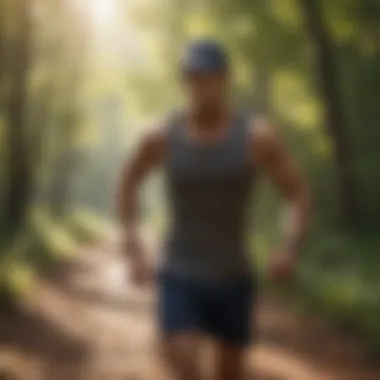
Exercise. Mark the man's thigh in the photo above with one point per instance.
(188, 313)
(179, 308)
(231, 314)
(180, 326)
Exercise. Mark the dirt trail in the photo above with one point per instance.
(85, 323)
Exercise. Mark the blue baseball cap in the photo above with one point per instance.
(204, 56)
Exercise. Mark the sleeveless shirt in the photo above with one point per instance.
(209, 190)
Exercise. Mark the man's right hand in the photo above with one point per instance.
(141, 270)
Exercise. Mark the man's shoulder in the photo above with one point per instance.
(265, 139)
(155, 133)
(262, 130)
(158, 130)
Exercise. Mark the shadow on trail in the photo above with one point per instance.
(32, 336)
(315, 342)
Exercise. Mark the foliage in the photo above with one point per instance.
(44, 243)
(339, 277)
(88, 227)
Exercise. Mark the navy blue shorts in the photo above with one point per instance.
(223, 310)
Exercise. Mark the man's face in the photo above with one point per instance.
(204, 90)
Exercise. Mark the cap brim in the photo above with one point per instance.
(203, 66)
(203, 69)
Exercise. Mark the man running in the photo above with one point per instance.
(211, 154)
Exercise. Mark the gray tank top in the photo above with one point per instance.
(209, 189)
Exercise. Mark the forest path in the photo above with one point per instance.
(85, 323)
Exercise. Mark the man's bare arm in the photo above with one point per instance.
(271, 156)
(146, 157)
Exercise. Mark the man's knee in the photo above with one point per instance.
(180, 352)
(229, 362)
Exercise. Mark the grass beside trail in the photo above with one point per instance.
(338, 279)
(44, 242)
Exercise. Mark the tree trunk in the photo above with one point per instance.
(19, 177)
(334, 115)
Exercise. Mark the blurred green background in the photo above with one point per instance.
(79, 80)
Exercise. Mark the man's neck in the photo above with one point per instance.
(210, 118)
